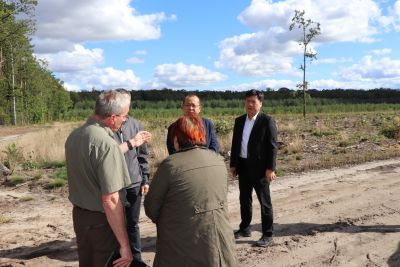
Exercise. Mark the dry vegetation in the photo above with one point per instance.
(336, 217)
(319, 142)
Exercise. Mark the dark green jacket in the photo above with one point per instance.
(188, 202)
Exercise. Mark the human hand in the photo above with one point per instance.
(233, 171)
(125, 259)
(141, 138)
(144, 189)
(270, 175)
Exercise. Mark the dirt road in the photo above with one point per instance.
(338, 217)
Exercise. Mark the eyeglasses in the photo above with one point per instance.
(191, 106)
(123, 116)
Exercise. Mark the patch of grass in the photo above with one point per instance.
(51, 164)
(296, 146)
(4, 219)
(38, 175)
(61, 173)
(15, 180)
(391, 128)
(56, 183)
(343, 140)
(26, 199)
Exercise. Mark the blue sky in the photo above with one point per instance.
(217, 45)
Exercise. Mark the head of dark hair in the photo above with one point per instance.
(189, 131)
(258, 94)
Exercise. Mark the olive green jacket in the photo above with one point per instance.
(187, 200)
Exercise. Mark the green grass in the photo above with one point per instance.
(61, 173)
(56, 183)
(15, 180)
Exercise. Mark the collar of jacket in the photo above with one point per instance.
(187, 147)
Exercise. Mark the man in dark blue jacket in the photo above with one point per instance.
(191, 105)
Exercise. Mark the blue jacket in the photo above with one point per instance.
(211, 137)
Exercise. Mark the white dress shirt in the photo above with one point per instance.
(248, 126)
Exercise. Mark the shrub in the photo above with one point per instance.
(223, 127)
(391, 128)
(14, 156)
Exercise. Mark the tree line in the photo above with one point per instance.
(29, 93)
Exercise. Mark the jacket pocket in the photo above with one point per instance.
(206, 207)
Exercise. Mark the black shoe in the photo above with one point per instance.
(239, 233)
(265, 241)
(138, 263)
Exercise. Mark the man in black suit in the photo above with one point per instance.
(253, 157)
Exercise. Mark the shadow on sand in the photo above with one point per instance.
(57, 249)
(394, 259)
(60, 250)
(311, 229)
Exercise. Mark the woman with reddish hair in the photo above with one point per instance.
(187, 201)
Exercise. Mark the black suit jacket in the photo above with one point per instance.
(262, 146)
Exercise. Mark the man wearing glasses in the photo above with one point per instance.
(191, 105)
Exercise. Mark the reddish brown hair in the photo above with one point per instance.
(189, 130)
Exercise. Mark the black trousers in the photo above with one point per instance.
(132, 213)
(248, 182)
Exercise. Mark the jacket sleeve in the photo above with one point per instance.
(234, 145)
(213, 137)
(271, 144)
(170, 144)
(158, 190)
(142, 156)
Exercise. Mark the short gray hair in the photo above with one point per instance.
(110, 102)
(125, 92)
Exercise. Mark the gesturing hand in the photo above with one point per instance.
(141, 138)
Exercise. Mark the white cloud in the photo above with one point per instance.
(100, 79)
(381, 52)
(332, 60)
(95, 20)
(250, 54)
(140, 52)
(261, 85)
(182, 75)
(370, 69)
(271, 48)
(135, 60)
(341, 20)
(78, 59)
(392, 20)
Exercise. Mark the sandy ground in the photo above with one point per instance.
(338, 217)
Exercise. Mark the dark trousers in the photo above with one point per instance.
(94, 237)
(248, 182)
(132, 213)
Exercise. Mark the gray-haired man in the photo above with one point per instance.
(97, 171)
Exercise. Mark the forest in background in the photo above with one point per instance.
(167, 102)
